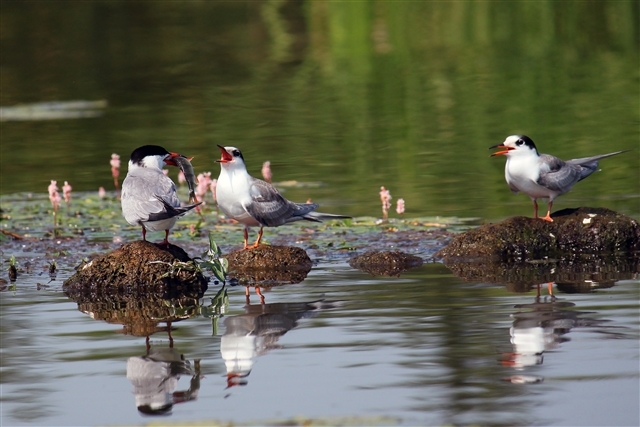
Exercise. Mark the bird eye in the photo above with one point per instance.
(236, 153)
(519, 142)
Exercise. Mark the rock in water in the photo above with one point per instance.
(269, 265)
(385, 263)
(139, 267)
(572, 232)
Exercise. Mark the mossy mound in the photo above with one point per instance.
(573, 232)
(268, 257)
(269, 265)
(385, 263)
(139, 267)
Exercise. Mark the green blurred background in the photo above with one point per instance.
(355, 95)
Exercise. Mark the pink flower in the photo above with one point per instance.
(212, 186)
(266, 171)
(204, 181)
(385, 198)
(400, 206)
(53, 188)
(181, 179)
(115, 168)
(115, 161)
(66, 190)
(102, 193)
(54, 196)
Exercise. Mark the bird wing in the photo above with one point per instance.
(556, 174)
(145, 194)
(268, 207)
(589, 165)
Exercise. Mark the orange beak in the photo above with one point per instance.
(226, 157)
(505, 151)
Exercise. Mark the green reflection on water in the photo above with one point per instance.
(408, 95)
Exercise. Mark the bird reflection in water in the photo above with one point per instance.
(256, 332)
(539, 327)
(155, 377)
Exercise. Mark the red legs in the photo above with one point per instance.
(257, 243)
(549, 290)
(246, 239)
(548, 217)
(260, 293)
(165, 242)
(535, 211)
(246, 294)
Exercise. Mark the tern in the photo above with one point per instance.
(254, 202)
(542, 176)
(149, 197)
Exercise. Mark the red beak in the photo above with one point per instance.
(505, 151)
(226, 157)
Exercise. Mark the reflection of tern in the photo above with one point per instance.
(254, 202)
(542, 175)
(149, 197)
(256, 332)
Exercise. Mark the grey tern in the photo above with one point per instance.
(149, 197)
(254, 202)
(542, 176)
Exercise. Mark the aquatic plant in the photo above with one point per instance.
(400, 207)
(55, 199)
(213, 261)
(13, 271)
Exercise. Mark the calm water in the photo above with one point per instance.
(348, 96)
(422, 349)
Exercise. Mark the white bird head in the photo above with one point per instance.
(231, 158)
(516, 145)
(152, 156)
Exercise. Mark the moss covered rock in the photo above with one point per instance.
(385, 263)
(573, 232)
(139, 267)
(268, 257)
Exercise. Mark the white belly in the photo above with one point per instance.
(523, 176)
(230, 199)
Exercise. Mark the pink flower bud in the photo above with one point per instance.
(266, 171)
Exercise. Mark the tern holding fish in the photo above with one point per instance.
(149, 197)
(542, 176)
(254, 202)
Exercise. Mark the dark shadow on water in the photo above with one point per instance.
(574, 275)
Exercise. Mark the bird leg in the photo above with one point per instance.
(144, 234)
(257, 288)
(257, 243)
(548, 216)
(165, 242)
(246, 238)
(535, 208)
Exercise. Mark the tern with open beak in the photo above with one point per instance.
(254, 202)
(542, 176)
(149, 197)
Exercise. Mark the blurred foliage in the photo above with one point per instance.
(354, 94)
